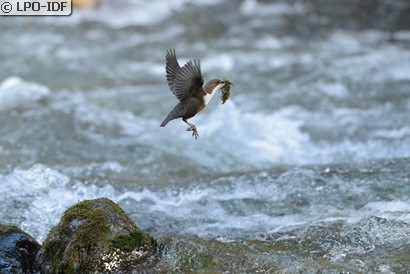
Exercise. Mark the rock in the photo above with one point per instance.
(18, 250)
(95, 236)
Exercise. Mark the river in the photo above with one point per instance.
(305, 168)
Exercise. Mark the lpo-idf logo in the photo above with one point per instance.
(35, 8)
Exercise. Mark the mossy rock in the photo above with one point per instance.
(95, 236)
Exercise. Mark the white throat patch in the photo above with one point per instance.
(209, 96)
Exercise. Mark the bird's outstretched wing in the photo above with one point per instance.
(184, 81)
(171, 67)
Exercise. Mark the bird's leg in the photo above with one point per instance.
(192, 128)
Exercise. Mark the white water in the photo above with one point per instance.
(233, 206)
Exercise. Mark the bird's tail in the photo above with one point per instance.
(174, 114)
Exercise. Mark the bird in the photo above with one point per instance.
(186, 83)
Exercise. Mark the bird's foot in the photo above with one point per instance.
(191, 128)
(195, 134)
(194, 131)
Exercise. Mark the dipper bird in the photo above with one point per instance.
(186, 84)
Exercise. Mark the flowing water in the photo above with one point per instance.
(305, 168)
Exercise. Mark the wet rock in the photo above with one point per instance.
(18, 250)
(96, 236)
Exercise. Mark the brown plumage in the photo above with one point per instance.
(186, 84)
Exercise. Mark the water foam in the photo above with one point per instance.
(15, 93)
(35, 198)
(384, 64)
(232, 139)
(253, 7)
(234, 206)
(229, 138)
(241, 206)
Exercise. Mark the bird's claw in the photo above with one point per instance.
(191, 128)
(195, 134)
(194, 131)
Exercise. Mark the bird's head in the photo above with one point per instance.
(213, 86)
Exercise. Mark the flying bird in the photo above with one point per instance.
(186, 83)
